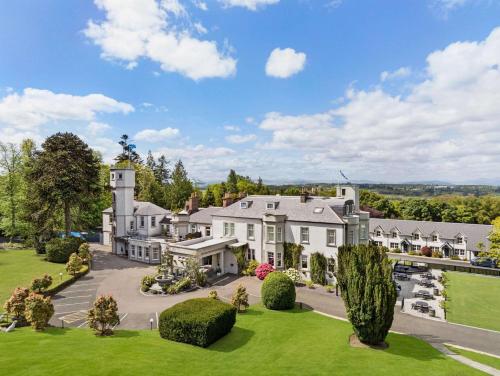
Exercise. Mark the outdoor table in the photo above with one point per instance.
(422, 306)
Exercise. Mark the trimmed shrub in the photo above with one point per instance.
(437, 254)
(39, 284)
(199, 322)
(318, 268)
(291, 254)
(59, 249)
(84, 253)
(213, 294)
(294, 275)
(278, 292)
(39, 310)
(15, 305)
(364, 276)
(263, 270)
(179, 286)
(252, 265)
(74, 264)
(240, 298)
(310, 284)
(426, 251)
(104, 315)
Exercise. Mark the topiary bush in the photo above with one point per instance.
(263, 270)
(39, 284)
(59, 249)
(199, 322)
(278, 291)
(74, 264)
(294, 275)
(84, 253)
(104, 315)
(250, 269)
(15, 305)
(39, 309)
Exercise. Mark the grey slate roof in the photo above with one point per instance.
(446, 230)
(289, 206)
(144, 208)
(204, 215)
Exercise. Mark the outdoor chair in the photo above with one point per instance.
(11, 327)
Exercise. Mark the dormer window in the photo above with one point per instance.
(378, 233)
(243, 204)
(460, 240)
(120, 176)
(394, 234)
(434, 238)
(271, 205)
(318, 210)
(416, 236)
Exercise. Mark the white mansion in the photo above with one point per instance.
(142, 230)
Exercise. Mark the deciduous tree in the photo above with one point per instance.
(104, 315)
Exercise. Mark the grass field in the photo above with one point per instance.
(480, 358)
(473, 300)
(262, 343)
(19, 267)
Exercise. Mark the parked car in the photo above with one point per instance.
(485, 262)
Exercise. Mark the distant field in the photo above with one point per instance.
(19, 267)
(474, 300)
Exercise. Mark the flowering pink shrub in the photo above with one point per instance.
(263, 270)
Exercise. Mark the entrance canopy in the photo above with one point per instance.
(201, 246)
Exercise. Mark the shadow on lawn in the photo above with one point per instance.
(237, 338)
(404, 348)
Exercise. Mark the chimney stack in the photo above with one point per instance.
(193, 203)
(227, 199)
(304, 195)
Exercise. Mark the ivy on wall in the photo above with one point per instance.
(318, 268)
(291, 254)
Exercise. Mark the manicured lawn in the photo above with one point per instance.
(262, 343)
(480, 358)
(473, 300)
(19, 267)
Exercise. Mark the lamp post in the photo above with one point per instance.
(151, 322)
(60, 276)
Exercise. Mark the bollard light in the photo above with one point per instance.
(151, 323)
(60, 275)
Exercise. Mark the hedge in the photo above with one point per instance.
(278, 291)
(55, 288)
(318, 268)
(59, 249)
(199, 322)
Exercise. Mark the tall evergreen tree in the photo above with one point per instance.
(64, 174)
(150, 161)
(180, 187)
(232, 182)
(365, 279)
(128, 151)
(161, 170)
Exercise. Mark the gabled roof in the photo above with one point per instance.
(204, 215)
(447, 230)
(144, 208)
(289, 206)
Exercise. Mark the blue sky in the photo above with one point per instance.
(287, 90)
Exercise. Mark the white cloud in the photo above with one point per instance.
(249, 4)
(399, 73)
(35, 107)
(333, 4)
(154, 135)
(446, 127)
(283, 63)
(200, 28)
(240, 139)
(232, 128)
(148, 29)
(200, 5)
(249, 120)
(95, 128)
(450, 4)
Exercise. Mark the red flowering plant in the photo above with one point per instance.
(263, 270)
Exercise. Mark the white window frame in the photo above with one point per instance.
(435, 238)
(279, 260)
(394, 235)
(460, 240)
(270, 234)
(304, 235)
(228, 229)
(416, 236)
(131, 225)
(279, 234)
(304, 258)
(139, 251)
(156, 253)
(394, 245)
(250, 231)
(153, 221)
(146, 252)
(142, 221)
(270, 205)
(329, 243)
(250, 255)
(192, 227)
(270, 258)
(243, 204)
(208, 230)
(378, 233)
(132, 250)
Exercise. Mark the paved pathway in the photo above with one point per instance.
(120, 277)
